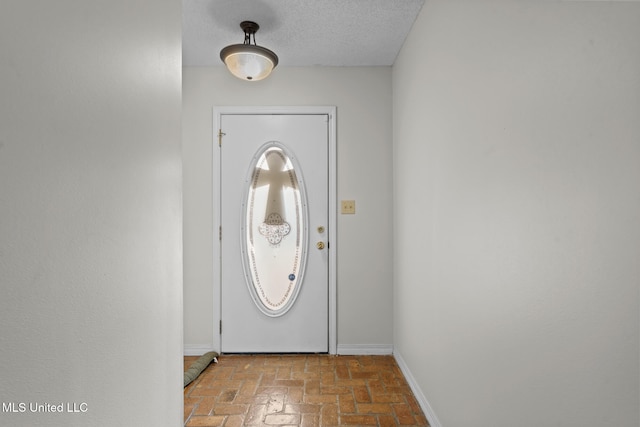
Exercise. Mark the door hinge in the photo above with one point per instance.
(221, 327)
(220, 233)
(220, 135)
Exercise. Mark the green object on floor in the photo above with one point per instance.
(198, 366)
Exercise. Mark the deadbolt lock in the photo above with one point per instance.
(320, 245)
(321, 229)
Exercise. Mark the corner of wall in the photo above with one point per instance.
(417, 391)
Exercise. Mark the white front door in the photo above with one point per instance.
(274, 233)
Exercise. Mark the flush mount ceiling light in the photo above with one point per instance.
(249, 61)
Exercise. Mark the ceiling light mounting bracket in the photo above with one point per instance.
(250, 28)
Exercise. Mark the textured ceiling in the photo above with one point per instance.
(300, 32)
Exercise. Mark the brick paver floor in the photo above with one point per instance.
(301, 390)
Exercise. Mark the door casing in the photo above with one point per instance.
(218, 112)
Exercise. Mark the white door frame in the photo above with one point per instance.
(218, 111)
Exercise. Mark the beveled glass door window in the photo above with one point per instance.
(274, 229)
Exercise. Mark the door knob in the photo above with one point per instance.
(320, 245)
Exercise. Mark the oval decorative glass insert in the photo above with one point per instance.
(274, 235)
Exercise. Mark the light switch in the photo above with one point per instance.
(348, 207)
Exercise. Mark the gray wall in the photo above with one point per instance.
(364, 270)
(90, 212)
(517, 216)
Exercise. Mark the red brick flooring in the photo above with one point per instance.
(301, 390)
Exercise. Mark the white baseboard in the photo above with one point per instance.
(365, 349)
(417, 391)
(197, 350)
(347, 350)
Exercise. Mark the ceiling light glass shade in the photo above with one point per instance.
(249, 62)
